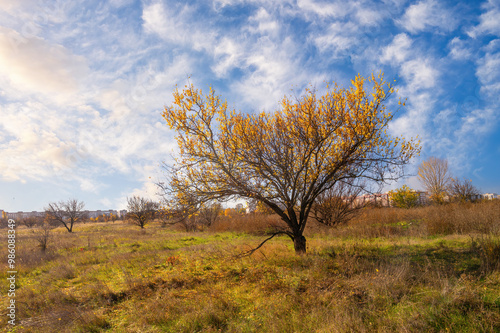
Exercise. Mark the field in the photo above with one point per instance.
(430, 269)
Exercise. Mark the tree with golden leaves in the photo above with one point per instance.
(287, 158)
(404, 197)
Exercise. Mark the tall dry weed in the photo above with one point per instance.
(250, 223)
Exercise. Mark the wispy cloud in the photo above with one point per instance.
(489, 22)
(426, 15)
(324, 9)
(398, 50)
(176, 23)
(459, 50)
(263, 23)
(488, 73)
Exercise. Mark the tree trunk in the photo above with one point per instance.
(70, 229)
(299, 243)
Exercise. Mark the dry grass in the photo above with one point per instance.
(256, 224)
(429, 269)
(462, 219)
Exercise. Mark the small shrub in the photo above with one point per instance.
(43, 236)
(487, 248)
(404, 197)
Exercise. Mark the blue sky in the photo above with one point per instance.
(83, 83)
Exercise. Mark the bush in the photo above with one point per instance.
(404, 197)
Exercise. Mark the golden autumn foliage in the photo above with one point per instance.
(404, 197)
(286, 158)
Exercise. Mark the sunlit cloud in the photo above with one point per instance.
(56, 73)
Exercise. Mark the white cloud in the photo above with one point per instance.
(324, 9)
(148, 190)
(482, 120)
(339, 37)
(428, 14)
(488, 74)
(120, 3)
(414, 121)
(9, 5)
(477, 123)
(489, 22)
(362, 13)
(418, 71)
(31, 150)
(276, 68)
(419, 74)
(265, 23)
(368, 16)
(158, 20)
(89, 185)
(459, 49)
(106, 202)
(178, 25)
(229, 54)
(398, 51)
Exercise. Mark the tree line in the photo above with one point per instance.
(440, 186)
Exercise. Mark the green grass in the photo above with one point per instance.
(116, 278)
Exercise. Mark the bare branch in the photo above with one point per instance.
(250, 252)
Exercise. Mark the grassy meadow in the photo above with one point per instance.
(428, 269)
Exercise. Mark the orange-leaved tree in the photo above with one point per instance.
(287, 158)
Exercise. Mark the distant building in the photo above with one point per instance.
(89, 214)
(491, 196)
(476, 197)
(379, 199)
(383, 199)
(14, 216)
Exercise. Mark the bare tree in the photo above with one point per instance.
(208, 213)
(435, 177)
(66, 212)
(182, 209)
(141, 210)
(463, 190)
(337, 205)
